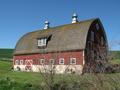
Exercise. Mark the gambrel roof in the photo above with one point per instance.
(62, 38)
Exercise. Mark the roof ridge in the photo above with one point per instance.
(87, 20)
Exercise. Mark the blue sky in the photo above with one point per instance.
(18, 17)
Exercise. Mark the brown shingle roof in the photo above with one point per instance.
(64, 38)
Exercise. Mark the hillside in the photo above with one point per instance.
(6, 53)
(115, 54)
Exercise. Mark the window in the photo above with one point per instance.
(52, 61)
(98, 55)
(72, 60)
(28, 62)
(42, 42)
(102, 41)
(21, 62)
(97, 26)
(16, 62)
(92, 35)
(90, 46)
(42, 61)
(92, 53)
(61, 61)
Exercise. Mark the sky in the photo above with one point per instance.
(18, 17)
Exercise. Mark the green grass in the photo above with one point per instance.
(5, 65)
(115, 54)
(115, 61)
(5, 71)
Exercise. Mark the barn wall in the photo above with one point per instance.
(66, 55)
(35, 64)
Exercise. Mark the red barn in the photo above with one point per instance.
(78, 47)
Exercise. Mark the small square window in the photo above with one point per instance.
(72, 60)
(42, 61)
(52, 61)
(61, 61)
(21, 62)
(16, 62)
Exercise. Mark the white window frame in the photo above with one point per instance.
(53, 61)
(71, 61)
(42, 61)
(17, 62)
(60, 60)
(21, 62)
(42, 42)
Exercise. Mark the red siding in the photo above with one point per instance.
(66, 55)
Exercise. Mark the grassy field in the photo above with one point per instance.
(5, 71)
(115, 61)
(115, 54)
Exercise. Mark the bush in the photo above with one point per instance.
(69, 82)
(7, 84)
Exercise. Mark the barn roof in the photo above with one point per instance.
(63, 38)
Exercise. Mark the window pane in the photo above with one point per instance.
(97, 26)
(102, 41)
(42, 42)
(92, 35)
(52, 61)
(16, 62)
(61, 61)
(42, 61)
(21, 62)
(72, 60)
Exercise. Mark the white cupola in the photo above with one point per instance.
(46, 25)
(74, 18)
